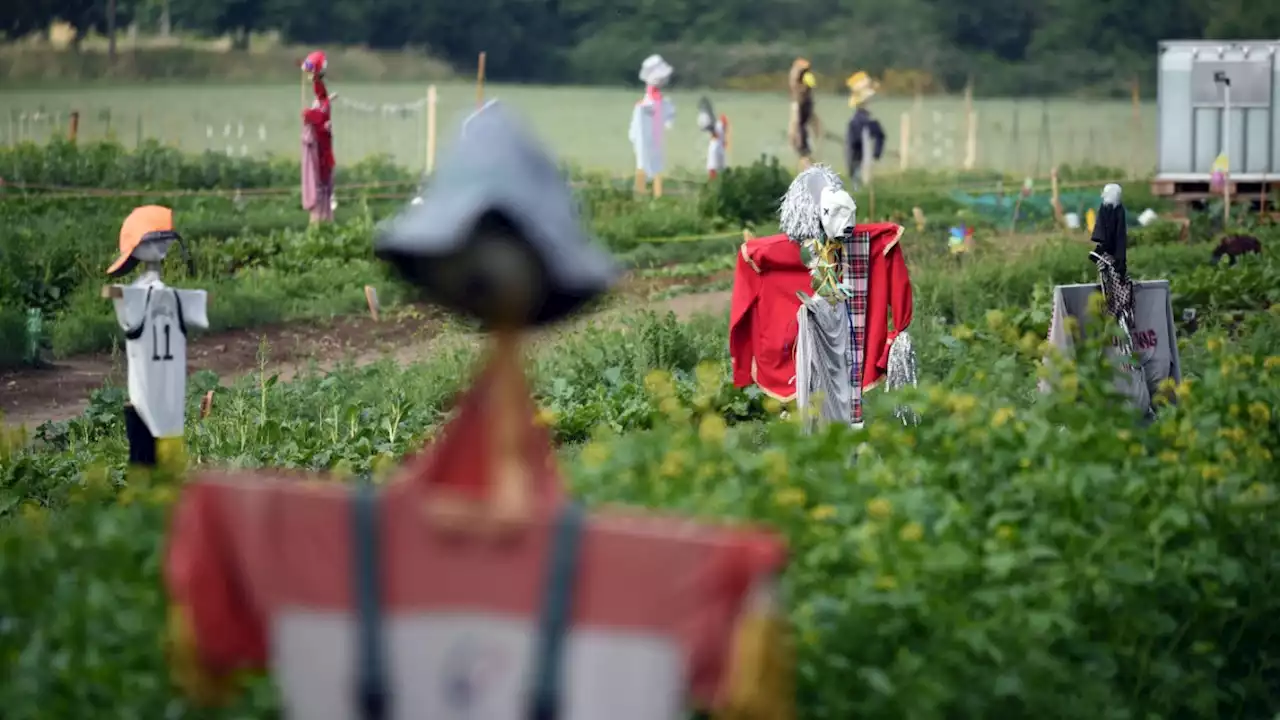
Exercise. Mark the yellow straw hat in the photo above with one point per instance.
(861, 88)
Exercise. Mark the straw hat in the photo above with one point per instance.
(861, 88)
(146, 224)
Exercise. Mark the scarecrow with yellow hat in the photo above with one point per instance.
(155, 318)
(804, 121)
(862, 127)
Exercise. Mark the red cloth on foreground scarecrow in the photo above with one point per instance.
(259, 568)
(762, 321)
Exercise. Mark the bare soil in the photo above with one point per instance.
(33, 396)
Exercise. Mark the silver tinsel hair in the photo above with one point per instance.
(799, 215)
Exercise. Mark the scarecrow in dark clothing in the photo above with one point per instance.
(861, 89)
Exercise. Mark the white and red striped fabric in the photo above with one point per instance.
(263, 564)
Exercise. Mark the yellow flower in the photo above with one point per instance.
(1030, 343)
(1259, 413)
(962, 403)
(886, 582)
(775, 465)
(712, 429)
(1210, 472)
(1169, 457)
(879, 508)
(673, 464)
(1272, 362)
(772, 406)
(670, 406)
(34, 513)
(911, 532)
(594, 455)
(789, 497)
(962, 332)
(546, 417)
(1232, 434)
(1183, 389)
(127, 496)
(1097, 304)
(1004, 532)
(1001, 416)
(995, 319)
(163, 495)
(1214, 344)
(1124, 435)
(1135, 450)
(658, 383)
(822, 513)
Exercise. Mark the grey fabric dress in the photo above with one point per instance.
(822, 362)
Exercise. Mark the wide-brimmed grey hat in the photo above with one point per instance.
(496, 234)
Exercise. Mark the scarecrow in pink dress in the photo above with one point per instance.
(317, 144)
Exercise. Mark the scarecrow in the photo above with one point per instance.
(833, 335)
(718, 144)
(1142, 310)
(317, 143)
(154, 318)
(653, 115)
(804, 123)
(862, 126)
(469, 585)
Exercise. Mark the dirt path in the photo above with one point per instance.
(33, 396)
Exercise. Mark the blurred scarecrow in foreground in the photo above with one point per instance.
(653, 115)
(317, 144)
(863, 128)
(470, 585)
(804, 122)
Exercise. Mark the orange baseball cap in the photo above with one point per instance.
(149, 222)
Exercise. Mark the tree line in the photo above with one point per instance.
(1009, 47)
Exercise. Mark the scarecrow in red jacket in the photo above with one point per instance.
(317, 144)
(792, 334)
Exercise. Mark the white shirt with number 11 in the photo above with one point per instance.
(155, 318)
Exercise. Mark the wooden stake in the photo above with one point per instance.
(431, 128)
(971, 142)
(904, 142)
(480, 82)
(74, 131)
(1056, 198)
(971, 127)
(371, 299)
(206, 405)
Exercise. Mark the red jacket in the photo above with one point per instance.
(762, 316)
(321, 123)
(888, 292)
(762, 321)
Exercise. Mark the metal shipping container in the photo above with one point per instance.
(1191, 104)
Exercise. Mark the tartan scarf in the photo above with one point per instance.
(856, 270)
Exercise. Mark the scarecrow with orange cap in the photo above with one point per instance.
(804, 123)
(155, 318)
(317, 143)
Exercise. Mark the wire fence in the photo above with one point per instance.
(587, 127)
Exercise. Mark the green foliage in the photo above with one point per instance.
(745, 195)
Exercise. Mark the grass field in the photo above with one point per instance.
(588, 126)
